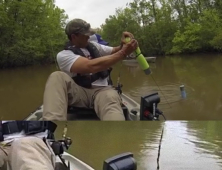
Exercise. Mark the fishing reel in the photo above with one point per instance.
(58, 148)
(148, 107)
(119, 88)
(61, 145)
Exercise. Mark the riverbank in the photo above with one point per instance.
(51, 62)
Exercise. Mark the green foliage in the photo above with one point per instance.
(29, 30)
(187, 41)
(217, 40)
(32, 31)
(168, 26)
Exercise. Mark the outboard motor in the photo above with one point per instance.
(148, 107)
(124, 161)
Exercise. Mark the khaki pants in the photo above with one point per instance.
(27, 153)
(61, 91)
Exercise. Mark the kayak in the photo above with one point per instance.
(130, 107)
(121, 161)
(66, 161)
(73, 162)
(132, 60)
(133, 111)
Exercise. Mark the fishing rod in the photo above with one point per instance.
(58, 146)
(145, 67)
(159, 148)
(119, 85)
(54, 57)
(65, 131)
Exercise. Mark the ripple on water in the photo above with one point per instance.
(183, 149)
(149, 150)
(168, 92)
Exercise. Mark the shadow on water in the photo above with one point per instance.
(185, 145)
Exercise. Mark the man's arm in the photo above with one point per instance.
(116, 49)
(83, 65)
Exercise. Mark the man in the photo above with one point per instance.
(22, 146)
(83, 79)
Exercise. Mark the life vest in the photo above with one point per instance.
(87, 80)
(29, 127)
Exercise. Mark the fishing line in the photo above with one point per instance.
(160, 90)
(159, 148)
(161, 137)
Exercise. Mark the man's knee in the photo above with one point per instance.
(26, 142)
(3, 159)
(58, 79)
(31, 148)
(111, 95)
(58, 75)
(108, 106)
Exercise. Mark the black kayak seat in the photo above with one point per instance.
(79, 113)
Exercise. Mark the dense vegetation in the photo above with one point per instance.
(169, 26)
(30, 31)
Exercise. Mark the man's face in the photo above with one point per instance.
(81, 40)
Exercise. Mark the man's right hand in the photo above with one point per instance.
(129, 47)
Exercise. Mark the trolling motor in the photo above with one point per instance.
(124, 161)
(148, 107)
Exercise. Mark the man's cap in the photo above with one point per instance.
(79, 26)
(97, 38)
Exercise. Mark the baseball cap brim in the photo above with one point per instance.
(89, 32)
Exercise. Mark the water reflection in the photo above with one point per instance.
(200, 75)
(185, 145)
(211, 132)
(22, 89)
(94, 142)
(184, 149)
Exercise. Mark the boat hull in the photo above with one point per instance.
(149, 59)
(74, 163)
(130, 107)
